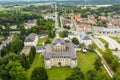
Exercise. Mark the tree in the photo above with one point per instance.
(91, 47)
(97, 75)
(82, 45)
(25, 61)
(106, 45)
(48, 41)
(91, 74)
(64, 34)
(75, 41)
(15, 70)
(16, 44)
(31, 55)
(76, 75)
(98, 63)
(116, 77)
(39, 73)
(38, 22)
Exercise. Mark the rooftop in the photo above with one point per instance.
(30, 38)
(69, 53)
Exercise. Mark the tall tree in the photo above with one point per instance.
(75, 41)
(15, 70)
(25, 61)
(39, 74)
(76, 75)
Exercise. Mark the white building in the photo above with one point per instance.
(71, 35)
(13, 27)
(84, 38)
(30, 24)
(31, 40)
(49, 17)
(60, 53)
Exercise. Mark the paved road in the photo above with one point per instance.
(112, 43)
(98, 43)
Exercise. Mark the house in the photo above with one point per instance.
(26, 50)
(4, 43)
(65, 22)
(60, 53)
(75, 17)
(13, 27)
(30, 24)
(43, 36)
(3, 27)
(49, 17)
(106, 30)
(84, 38)
(31, 40)
(102, 18)
(71, 35)
(83, 27)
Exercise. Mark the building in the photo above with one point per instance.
(83, 27)
(26, 50)
(71, 35)
(76, 17)
(13, 27)
(30, 24)
(60, 53)
(4, 43)
(84, 38)
(100, 30)
(49, 18)
(40, 49)
(31, 40)
(43, 36)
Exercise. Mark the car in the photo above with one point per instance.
(84, 50)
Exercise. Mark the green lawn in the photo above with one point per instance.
(86, 61)
(38, 62)
(42, 40)
(59, 73)
(103, 41)
(55, 73)
(116, 38)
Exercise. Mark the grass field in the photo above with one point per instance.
(55, 73)
(103, 41)
(42, 40)
(116, 38)
(86, 61)
(59, 73)
(38, 62)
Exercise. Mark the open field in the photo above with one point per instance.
(59, 73)
(86, 61)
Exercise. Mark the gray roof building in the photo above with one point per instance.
(30, 38)
(84, 36)
(68, 52)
